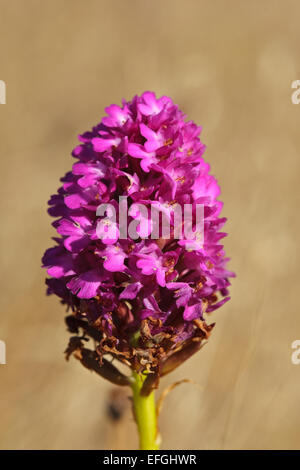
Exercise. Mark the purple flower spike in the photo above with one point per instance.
(142, 300)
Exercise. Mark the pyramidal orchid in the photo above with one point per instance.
(137, 299)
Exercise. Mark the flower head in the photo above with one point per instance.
(144, 301)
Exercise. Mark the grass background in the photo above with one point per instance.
(229, 65)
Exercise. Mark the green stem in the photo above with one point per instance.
(145, 414)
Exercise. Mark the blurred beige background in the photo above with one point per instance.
(229, 65)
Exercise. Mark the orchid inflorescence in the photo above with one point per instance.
(143, 302)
